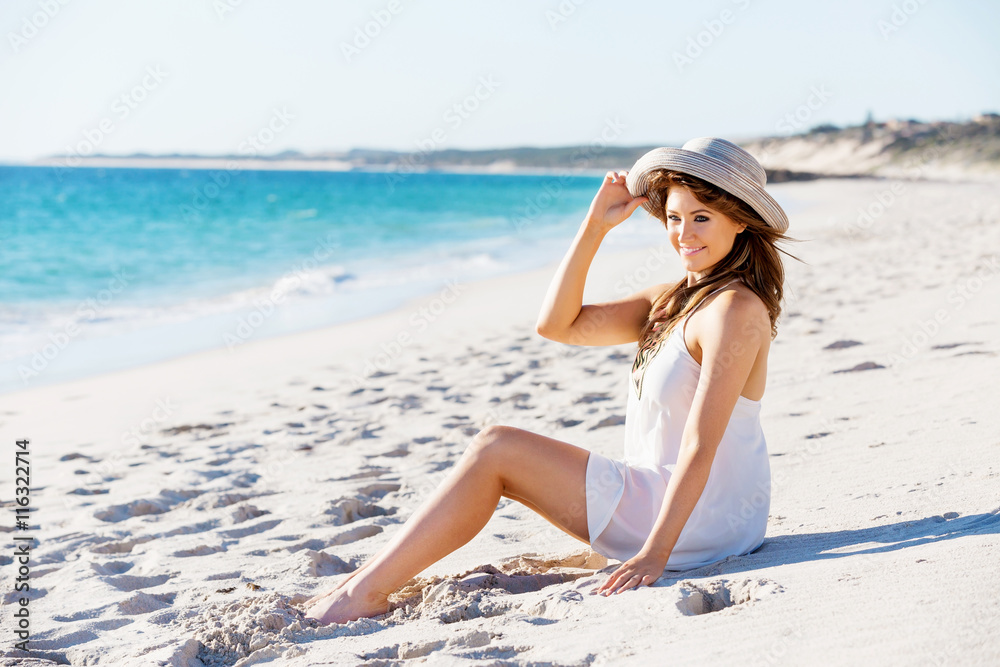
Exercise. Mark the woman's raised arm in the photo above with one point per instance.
(564, 300)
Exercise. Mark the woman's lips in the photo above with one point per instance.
(687, 252)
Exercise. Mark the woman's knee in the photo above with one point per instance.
(491, 440)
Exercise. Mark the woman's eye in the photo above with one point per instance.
(699, 218)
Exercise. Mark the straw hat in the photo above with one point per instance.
(721, 163)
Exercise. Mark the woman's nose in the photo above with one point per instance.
(685, 231)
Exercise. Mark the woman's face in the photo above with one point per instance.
(702, 237)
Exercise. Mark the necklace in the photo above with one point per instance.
(642, 359)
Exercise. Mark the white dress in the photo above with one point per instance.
(624, 496)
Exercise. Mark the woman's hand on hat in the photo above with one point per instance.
(613, 203)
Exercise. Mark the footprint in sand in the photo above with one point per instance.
(200, 550)
(408, 402)
(841, 344)
(372, 471)
(399, 451)
(245, 479)
(718, 595)
(122, 547)
(948, 346)
(510, 377)
(130, 582)
(75, 455)
(321, 564)
(612, 420)
(593, 398)
(214, 500)
(176, 430)
(239, 533)
(245, 513)
(166, 501)
(379, 489)
(190, 529)
(144, 603)
(864, 366)
(354, 534)
(112, 567)
(348, 510)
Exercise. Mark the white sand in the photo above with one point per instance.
(186, 508)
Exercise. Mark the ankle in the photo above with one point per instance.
(361, 590)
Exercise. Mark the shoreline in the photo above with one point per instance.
(394, 317)
(380, 339)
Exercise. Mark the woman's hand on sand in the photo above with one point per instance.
(642, 569)
(613, 203)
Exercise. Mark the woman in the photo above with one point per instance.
(695, 483)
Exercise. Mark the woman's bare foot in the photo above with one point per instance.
(348, 603)
(340, 584)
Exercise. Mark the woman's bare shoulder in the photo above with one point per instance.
(738, 306)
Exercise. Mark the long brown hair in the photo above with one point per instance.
(753, 259)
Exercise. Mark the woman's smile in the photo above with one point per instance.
(687, 252)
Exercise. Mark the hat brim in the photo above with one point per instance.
(709, 169)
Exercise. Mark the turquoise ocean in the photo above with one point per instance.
(105, 269)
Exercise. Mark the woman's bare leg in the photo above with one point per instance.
(545, 474)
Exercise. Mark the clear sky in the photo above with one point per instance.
(201, 76)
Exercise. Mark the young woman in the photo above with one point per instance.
(694, 486)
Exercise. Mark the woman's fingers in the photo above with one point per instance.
(621, 580)
(613, 581)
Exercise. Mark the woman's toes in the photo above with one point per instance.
(347, 606)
